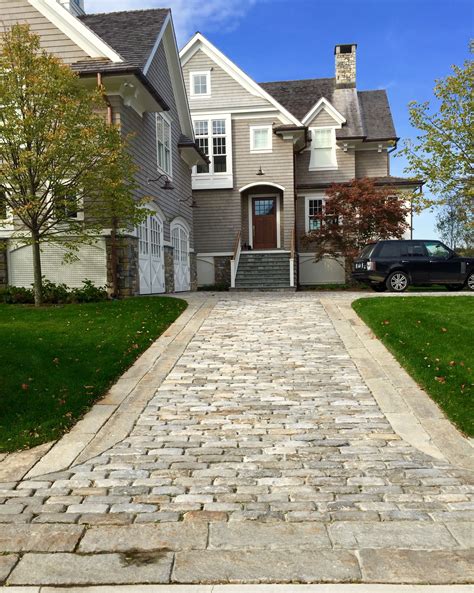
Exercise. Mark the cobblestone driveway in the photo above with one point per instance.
(264, 457)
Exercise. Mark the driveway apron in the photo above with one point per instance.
(262, 457)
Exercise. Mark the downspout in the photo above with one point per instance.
(114, 222)
(296, 205)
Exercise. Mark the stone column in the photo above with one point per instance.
(169, 269)
(128, 271)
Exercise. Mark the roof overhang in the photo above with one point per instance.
(295, 134)
(132, 86)
(77, 31)
(191, 154)
(324, 104)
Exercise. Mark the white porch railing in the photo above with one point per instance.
(234, 262)
(292, 259)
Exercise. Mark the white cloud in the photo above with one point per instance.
(189, 16)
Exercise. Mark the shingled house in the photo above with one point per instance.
(135, 57)
(274, 149)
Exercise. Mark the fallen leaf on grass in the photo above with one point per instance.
(444, 330)
(440, 379)
(25, 386)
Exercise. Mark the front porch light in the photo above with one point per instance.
(167, 183)
(260, 172)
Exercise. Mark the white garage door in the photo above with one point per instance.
(151, 255)
(182, 274)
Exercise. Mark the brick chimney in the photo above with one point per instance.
(345, 56)
(75, 7)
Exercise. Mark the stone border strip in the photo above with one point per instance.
(350, 588)
(111, 419)
(409, 409)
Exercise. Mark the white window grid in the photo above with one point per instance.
(143, 237)
(212, 133)
(261, 138)
(200, 84)
(163, 144)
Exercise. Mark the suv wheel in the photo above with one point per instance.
(397, 281)
(470, 281)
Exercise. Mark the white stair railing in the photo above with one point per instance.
(234, 262)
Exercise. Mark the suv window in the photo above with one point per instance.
(437, 250)
(392, 249)
(367, 251)
(414, 249)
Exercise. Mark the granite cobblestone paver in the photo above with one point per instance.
(263, 436)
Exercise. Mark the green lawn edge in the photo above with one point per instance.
(57, 361)
(431, 338)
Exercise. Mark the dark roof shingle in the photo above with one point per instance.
(132, 34)
(367, 112)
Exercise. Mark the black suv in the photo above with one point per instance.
(394, 265)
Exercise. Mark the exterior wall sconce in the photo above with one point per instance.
(189, 200)
(260, 172)
(167, 185)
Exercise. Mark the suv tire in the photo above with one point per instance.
(397, 281)
(470, 281)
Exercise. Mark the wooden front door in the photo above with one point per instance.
(264, 223)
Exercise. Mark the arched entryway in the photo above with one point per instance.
(181, 247)
(261, 214)
(151, 254)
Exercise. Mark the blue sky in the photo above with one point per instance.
(403, 45)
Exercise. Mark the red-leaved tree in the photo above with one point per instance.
(353, 215)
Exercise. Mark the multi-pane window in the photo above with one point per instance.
(143, 237)
(212, 139)
(260, 138)
(200, 84)
(323, 149)
(315, 211)
(155, 236)
(163, 143)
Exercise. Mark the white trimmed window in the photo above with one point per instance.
(200, 83)
(261, 139)
(314, 206)
(213, 138)
(323, 149)
(163, 144)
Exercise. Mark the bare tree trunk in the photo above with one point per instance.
(38, 281)
(114, 259)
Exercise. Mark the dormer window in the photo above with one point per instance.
(200, 84)
(323, 149)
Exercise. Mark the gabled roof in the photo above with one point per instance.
(367, 113)
(131, 33)
(198, 41)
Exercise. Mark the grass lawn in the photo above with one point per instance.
(432, 338)
(56, 361)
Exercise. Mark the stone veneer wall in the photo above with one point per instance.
(222, 270)
(345, 66)
(128, 272)
(193, 269)
(3, 264)
(169, 269)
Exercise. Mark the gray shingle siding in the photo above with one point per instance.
(144, 150)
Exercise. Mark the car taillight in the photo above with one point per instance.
(371, 266)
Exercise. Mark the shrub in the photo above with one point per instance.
(16, 295)
(55, 294)
(89, 293)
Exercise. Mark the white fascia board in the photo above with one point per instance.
(176, 75)
(319, 106)
(75, 29)
(200, 42)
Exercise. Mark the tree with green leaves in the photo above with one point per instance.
(455, 223)
(443, 152)
(65, 174)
